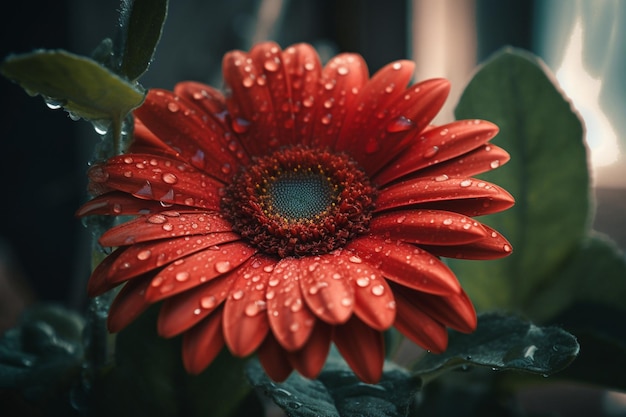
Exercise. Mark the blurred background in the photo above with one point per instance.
(45, 250)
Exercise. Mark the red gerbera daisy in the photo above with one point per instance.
(308, 205)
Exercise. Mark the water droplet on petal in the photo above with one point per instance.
(238, 295)
(442, 177)
(173, 107)
(431, 152)
(363, 282)
(346, 302)
(400, 124)
(157, 219)
(506, 248)
(208, 302)
(272, 65)
(169, 178)
(342, 70)
(447, 222)
(465, 183)
(355, 259)
(240, 125)
(222, 266)
(182, 276)
(378, 289)
(494, 164)
(144, 254)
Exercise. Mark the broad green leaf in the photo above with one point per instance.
(79, 84)
(338, 392)
(141, 23)
(547, 175)
(148, 378)
(506, 343)
(594, 273)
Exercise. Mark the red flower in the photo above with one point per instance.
(308, 205)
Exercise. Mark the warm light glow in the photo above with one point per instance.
(584, 90)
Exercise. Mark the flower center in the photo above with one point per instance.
(299, 202)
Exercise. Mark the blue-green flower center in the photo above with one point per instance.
(296, 196)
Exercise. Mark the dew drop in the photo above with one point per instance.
(272, 65)
(208, 302)
(401, 219)
(447, 222)
(400, 124)
(326, 118)
(182, 276)
(494, 164)
(173, 107)
(144, 254)
(238, 295)
(157, 219)
(378, 290)
(169, 178)
(441, 178)
(363, 282)
(506, 248)
(240, 125)
(294, 327)
(355, 259)
(248, 82)
(222, 266)
(431, 152)
(465, 183)
(168, 227)
(342, 70)
(396, 66)
(346, 302)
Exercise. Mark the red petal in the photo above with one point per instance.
(198, 138)
(366, 119)
(436, 145)
(290, 319)
(419, 327)
(467, 196)
(406, 264)
(196, 269)
(373, 298)
(250, 102)
(166, 224)
(342, 79)
(455, 311)
(326, 287)
(494, 246)
(99, 280)
(204, 97)
(147, 256)
(185, 310)
(116, 203)
(144, 141)
(245, 312)
(128, 304)
(303, 68)
(310, 360)
(429, 227)
(483, 159)
(274, 359)
(158, 178)
(203, 343)
(363, 349)
(268, 58)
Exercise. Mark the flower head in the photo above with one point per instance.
(309, 204)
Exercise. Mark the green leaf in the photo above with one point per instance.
(141, 22)
(594, 273)
(79, 84)
(547, 175)
(165, 389)
(338, 393)
(507, 343)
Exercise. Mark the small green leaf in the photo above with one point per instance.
(504, 342)
(81, 85)
(141, 22)
(338, 392)
(547, 175)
